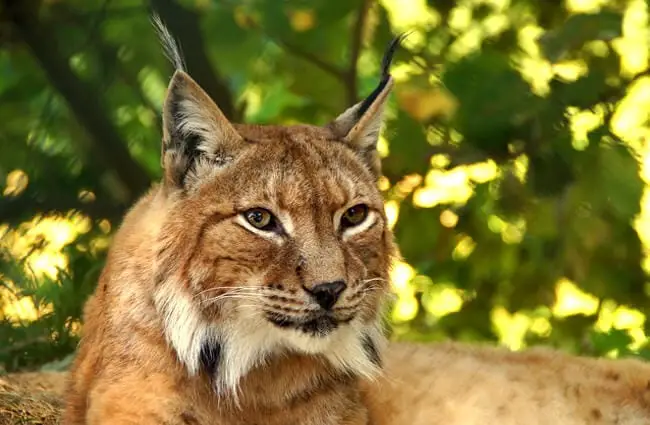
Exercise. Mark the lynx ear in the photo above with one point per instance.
(197, 137)
(359, 125)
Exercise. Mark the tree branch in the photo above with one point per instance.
(355, 50)
(315, 60)
(82, 97)
(186, 27)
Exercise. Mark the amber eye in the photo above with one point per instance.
(354, 216)
(261, 219)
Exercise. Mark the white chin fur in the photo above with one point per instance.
(247, 340)
(343, 347)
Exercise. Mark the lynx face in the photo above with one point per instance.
(275, 239)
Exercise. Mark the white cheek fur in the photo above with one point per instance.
(365, 225)
(272, 236)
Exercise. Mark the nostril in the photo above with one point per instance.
(327, 294)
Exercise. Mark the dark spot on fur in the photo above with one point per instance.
(279, 298)
(319, 326)
(322, 388)
(210, 356)
(371, 350)
(577, 392)
(614, 376)
(596, 413)
(189, 419)
(300, 270)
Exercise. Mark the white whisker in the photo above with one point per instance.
(230, 296)
(230, 289)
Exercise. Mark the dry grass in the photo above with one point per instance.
(31, 398)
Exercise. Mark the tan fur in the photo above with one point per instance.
(189, 276)
(458, 384)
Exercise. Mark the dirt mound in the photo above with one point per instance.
(31, 398)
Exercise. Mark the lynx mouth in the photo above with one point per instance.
(319, 325)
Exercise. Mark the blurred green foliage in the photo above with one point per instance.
(511, 164)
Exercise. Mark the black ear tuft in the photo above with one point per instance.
(359, 125)
(385, 74)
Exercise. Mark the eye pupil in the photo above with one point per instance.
(354, 215)
(260, 218)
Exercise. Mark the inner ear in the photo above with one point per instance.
(197, 137)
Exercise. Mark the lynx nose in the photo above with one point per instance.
(326, 294)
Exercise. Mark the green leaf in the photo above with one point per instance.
(409, 150)
(615, 339)
(493, 100)
(579, 29)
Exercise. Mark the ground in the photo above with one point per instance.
(31, 398)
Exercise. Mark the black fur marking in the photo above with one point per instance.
(318, 326)
(190, 147)
(385, 74)
(210, 356)
(189, 419)
(371, 350)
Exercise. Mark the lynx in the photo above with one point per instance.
(246, 288)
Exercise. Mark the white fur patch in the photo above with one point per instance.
(192, 119)
(247, 339)
(361, 227)
(247, 343)
(185, 329)
(343, 348)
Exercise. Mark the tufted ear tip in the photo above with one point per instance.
(359, 125)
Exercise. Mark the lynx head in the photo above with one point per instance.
(275, 239)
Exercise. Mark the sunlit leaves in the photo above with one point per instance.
(579, 29)
(493, 100)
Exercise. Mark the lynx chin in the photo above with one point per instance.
(246, 288)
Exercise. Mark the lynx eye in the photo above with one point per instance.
(354, 216)
(261, 219)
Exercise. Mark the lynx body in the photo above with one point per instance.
(246, 288)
